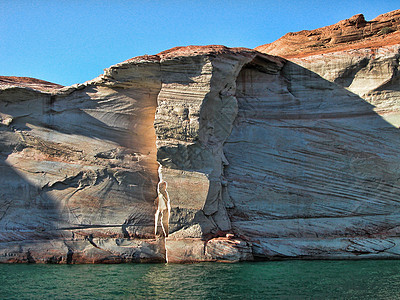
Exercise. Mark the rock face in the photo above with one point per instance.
(37, 84)
(313, 166)
(350, 34)
(79, 170)
(82, 166)
(205, 153)
(334, 164)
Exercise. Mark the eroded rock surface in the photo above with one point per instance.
(349, 34)
(313, 166)
(206, 153)
(37, 84)
(79, 170)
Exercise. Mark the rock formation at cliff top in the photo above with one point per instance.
(37, 84)
(350, 34)
(205, 153)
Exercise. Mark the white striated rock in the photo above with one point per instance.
(80, 163)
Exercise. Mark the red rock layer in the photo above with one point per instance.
(353, 33)
(33, 83)
(191, 50)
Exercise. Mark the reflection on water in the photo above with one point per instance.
(285, 279)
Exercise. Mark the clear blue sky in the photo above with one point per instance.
(67, 42)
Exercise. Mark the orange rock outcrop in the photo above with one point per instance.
(29, 82)
(353, 33)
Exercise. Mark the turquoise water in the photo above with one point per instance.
(261, 280)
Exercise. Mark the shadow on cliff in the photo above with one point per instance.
(306, 149)
(27, 211)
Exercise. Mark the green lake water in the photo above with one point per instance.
(367, 279)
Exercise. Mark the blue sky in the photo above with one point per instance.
(67, 42)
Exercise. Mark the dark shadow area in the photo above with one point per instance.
(26, 212)
(310, 159)
(40, 122)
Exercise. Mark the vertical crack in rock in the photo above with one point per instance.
(163, 210)
(163, 206)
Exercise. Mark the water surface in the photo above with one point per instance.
(368, 279)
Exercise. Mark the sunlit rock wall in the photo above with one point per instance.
(79, 171)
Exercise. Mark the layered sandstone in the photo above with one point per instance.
(207, 153)
(37, 84)
(79, 170)
(81, 166)
(350, 34)
(313, 166)
(346, 161)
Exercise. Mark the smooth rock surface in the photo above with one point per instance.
(309, 159)
(79, 165)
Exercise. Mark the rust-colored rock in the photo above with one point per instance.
(37, 84)
(353, 33)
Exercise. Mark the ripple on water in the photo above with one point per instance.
(285, 279)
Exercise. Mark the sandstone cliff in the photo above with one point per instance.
(350, 34)
(208, 154)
